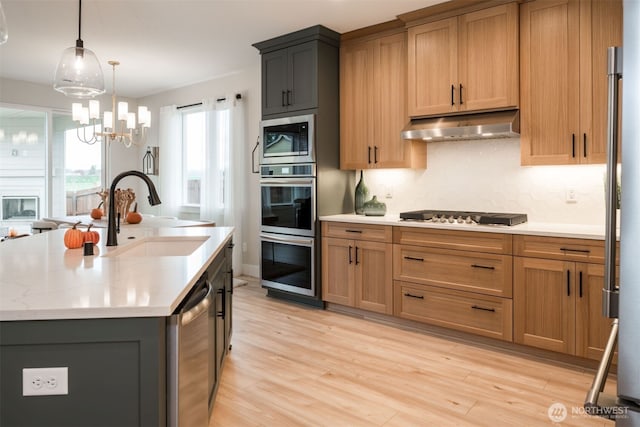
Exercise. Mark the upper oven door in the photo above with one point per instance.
(288, 205)
(288, 140)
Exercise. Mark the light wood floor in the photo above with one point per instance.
(296, 366)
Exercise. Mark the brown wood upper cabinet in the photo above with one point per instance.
(464, 63)
(373, 105)
(563, 78)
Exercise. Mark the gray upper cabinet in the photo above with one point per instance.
(289, 79)
(295, 68)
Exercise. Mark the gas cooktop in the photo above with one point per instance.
(463, 217)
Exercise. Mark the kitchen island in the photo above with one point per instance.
(104, 317)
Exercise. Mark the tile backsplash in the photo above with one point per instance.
(486, 176)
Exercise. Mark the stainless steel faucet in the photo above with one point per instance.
(154, 199)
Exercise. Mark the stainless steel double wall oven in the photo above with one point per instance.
(291, 191)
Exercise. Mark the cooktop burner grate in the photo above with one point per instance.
(489, 218)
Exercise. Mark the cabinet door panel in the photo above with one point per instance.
(274, 82)
(550, 68)
(356, 104)
(374, 286)
(338, 257)
(432, 59)
(544, 304)
(488, 61)
(302, 76)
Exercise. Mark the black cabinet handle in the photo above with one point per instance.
(584, 145)
(573, 145)
(407, 294)
(283, 103)
(369, 155)
(357, 261)
(288, 97)
(568, 283)
(354, 231)
(222, 313)
(375, 154)
(580, 282)
(350, 260)
(452, 91)
(410, 258)
(488, 267)
(582, 251)
(477, 307)
(461, 102)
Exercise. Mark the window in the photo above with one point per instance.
(193, 155)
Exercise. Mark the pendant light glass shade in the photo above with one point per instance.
(79, 74)
(4, 31)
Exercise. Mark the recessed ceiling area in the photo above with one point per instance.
(166, 44)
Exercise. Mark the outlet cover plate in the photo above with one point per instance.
(45, 381)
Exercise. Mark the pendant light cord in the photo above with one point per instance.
(79, 42)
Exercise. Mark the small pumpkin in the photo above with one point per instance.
(96, 213)
(91, 235)
(73, 238)
(134, 216)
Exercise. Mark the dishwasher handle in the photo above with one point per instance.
(199, 306)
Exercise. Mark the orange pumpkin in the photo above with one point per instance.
(134, 217)
(73, 238)
(91, 235)
(96, 213)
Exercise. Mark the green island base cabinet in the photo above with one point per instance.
(117, 347)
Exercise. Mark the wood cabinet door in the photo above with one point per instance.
(488, 58)
(600, 27)
(274, 82)
(338, 261)
(373, 276)
(592, 328)
(356, 104)
(433, 67)
(549, 82)
(544, 304)
(302, 76)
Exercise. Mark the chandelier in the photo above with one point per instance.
(121, 127)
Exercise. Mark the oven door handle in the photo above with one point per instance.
(287, 181)
(291, 240)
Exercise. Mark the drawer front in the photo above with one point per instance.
(582, 250)
(489, 274)
(477, 314)
(496, 243)
(346, 230)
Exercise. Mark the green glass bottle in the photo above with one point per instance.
(361, 195)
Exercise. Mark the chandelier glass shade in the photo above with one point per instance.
(117, 125)
(79, 74)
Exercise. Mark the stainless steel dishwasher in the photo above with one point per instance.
(188, 359)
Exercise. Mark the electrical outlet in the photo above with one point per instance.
(45, 381)
(572, 195)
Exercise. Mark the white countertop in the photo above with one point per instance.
(574, 231)
(41, 279)
(147, 221)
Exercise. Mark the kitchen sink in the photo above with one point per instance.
(160, 246)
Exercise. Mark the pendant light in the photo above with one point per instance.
(79, 74)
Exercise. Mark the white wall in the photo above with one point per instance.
(246, 83)
(487, 176)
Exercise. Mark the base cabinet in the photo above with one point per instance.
(357, 272)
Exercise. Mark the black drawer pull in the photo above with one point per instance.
(407, 294)
(452, 90)
(357, 261)
(461, 102)
(582, 251)
(411, 258)
(573, 145)
(350, 259)
(584, 145)
(568, 283)
(369, 155)
(488, 267)
(477, 307)
(375, 154)
(580, 284)
(283, 101)
(353, 231)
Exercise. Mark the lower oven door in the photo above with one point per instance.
(287, 263)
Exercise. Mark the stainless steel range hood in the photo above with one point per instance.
(496, 124)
